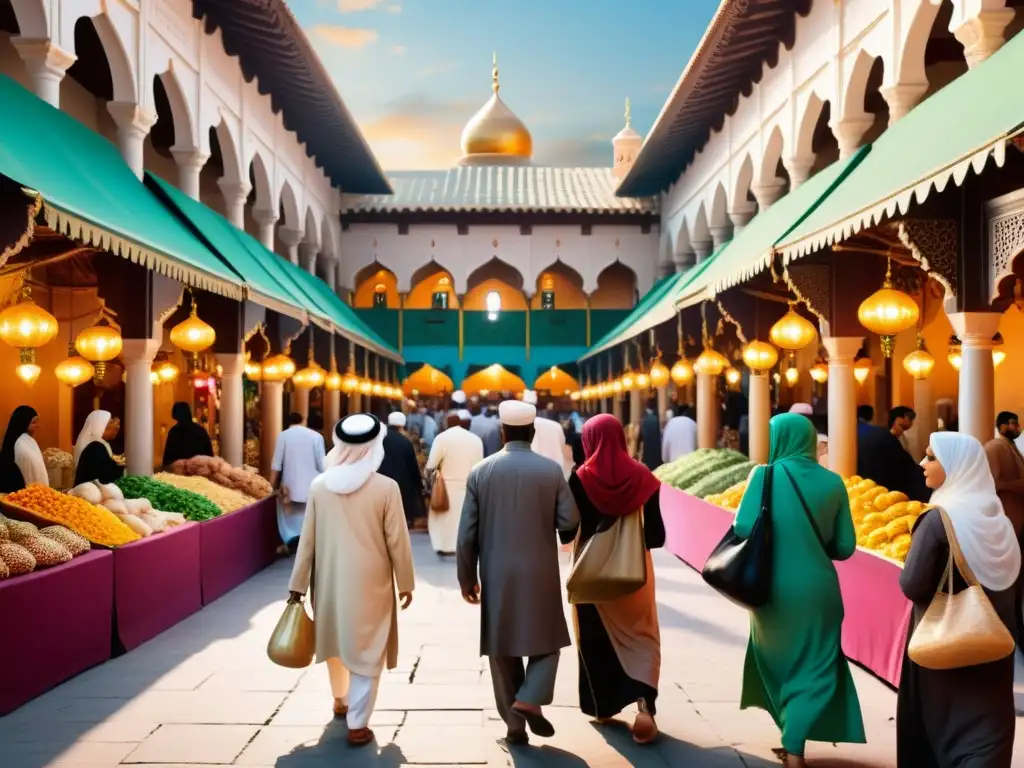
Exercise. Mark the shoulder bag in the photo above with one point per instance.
(613, 563)
(959, 630)
(807, 511)
(741, 569)
(438, 493)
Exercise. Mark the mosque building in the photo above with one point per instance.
(497, 274)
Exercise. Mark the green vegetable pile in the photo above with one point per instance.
(686, 471)
(167, 498)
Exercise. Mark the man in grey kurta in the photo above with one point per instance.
(515, 502)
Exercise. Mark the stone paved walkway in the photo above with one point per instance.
(205, 694)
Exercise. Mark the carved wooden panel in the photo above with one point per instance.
(812, 280)
(933, 242)
(1005, 224)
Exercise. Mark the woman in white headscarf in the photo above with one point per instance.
(959, 717)
(355, 546)
(93, 457)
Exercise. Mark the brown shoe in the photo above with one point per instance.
(359, 737)
(645, 730)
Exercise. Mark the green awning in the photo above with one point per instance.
(751, 250)
(955, 130)
(90, 195)
(624, 330)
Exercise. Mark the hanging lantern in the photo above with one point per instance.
(887, 312)
(278, 368)
(954, 355)
(99, 345)
(154, 378)
(732, 376)
(682, 372)
(333, 382)
(861, 368)
(792, 376)
(659, 374)
(75, 370)
(166, 371)
(998, 353)
(760, 356)
(27, 369)
(792, 331)
(617, 387)
(365, 386)
(819, 371)
(350, 383)
(311, 376)
(27, 326)
(628, 381)
(193, 335)
(919, 363)
(710, 362)
(253, 371)
(643, 381)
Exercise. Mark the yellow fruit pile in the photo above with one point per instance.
(883, 518)
(730, 498)
(98, 525)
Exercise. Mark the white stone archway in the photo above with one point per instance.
(33, 23)
(182, 116)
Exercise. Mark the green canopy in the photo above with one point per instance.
(954, 130)
(90, 195)
(751, 250)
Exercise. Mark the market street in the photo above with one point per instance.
(204, 693)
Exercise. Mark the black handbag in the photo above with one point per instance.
(741, 569)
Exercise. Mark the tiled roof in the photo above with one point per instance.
(502, 188)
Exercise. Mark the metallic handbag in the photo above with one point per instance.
(293, 641)
(613, 563)
(963, 629)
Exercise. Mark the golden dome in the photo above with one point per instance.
(494, 135)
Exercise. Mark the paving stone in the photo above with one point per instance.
(457, 744)
(214, 744)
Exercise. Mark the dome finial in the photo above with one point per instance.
(629, 114)
(494, 72)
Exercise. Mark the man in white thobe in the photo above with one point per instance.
(298, 459)
(548, 437)
(679, 437)
(454, 453)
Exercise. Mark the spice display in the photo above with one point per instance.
(168, 498)
(222, 473)
(17, 559)
(71, 541)
(226, 499)
(98, 525)
(18, 531)
(46, 551)
(5, 572)
(4, 534)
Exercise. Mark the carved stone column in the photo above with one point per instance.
(190, 164)
(976, 410)
(236, 194)
(707, 410)
(842, 404)
(133, 125)
(46, 64)
(760, 414)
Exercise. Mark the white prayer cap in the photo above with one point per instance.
(529, 397)
(357, 428)
(396, 419)
(804, 409)
(517, 414)
(465, 415)
(459, 397)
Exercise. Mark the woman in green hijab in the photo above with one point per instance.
(795, 668)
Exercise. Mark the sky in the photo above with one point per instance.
(413, 72)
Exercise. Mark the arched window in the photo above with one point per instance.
(380, 295)
(493, 301)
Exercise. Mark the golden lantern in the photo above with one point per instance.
(311, 376)
(659, 374)
(166, 371)
(99, 345)
(75, 370)
(710, 362)
(760, 356)
(365, 386)
(682, 372)
(862, 368)
(919, 363)
(334, 381)
(628, 381)
(350, 383)
(253, 371)
(732, 376)
(792, 331)
(278, 368)
(27, 326)
(154, 378)
(376, 389)
(998, 353)
(617, 387)
(27, 370)
(792, 376)
(954, 355)
(193, 335)
(887, 312)
(819, 371)
(574, 396)
(643, 381)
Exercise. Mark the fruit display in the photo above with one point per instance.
(222, 473)
(25, 548)
(137, 514)
(731, 497)
(95, 523)
(883, 518)
(684, 472)
(168, 498)
(721, 480)
(226, 499)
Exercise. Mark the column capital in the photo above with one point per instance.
(842, 349)
(720, 235)
(264, 217)
(232, 363)
(975, 329)
(849, 132)
(799, 169)
(131, 119)
(902, 98)
(983, 34)
(702, 249)
(290, 237)
(768, 192)
(740, 215)
(234, 191)
(43, 57)
(140, 350)
(189, 157)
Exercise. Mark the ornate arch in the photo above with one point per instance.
(311, 227)
(426, 280)
(230, 156)
(495, 275)
(290, 205)
(32, 19)
(910, 48)
(719, 207)
(375, 279)
(855, 87)
(803, 138)
(122, 73)
(616, 287)
(266, 198)
(185, 138)
(740, 185)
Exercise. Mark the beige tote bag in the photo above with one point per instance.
(613, 563)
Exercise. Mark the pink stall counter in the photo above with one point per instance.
(877, 613)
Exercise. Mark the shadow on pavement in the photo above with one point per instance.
(544, 757)
(333, 750)
(670, 750)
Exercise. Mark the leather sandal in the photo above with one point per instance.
(359, 737)
(645, 730)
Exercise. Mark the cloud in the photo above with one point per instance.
(358, 6)
(418, 133)
(394, 9)
(398, 50)
(440, 68)
(346, 37)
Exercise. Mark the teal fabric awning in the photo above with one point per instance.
(89, 194)
(952, 132)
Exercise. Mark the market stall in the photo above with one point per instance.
(235, 547)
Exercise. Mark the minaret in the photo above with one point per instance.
(625, 146)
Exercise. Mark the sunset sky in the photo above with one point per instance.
(412, 72)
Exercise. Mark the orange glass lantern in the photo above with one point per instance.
(792, 331)
(99, 345)
(760, 356)
(660, 374)
(919, 363)
(888, 312)
(74, 371)
(278, 368)
(710, 362)
(682, 372)
(193, 335)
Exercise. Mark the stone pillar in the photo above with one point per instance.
(707, 410)
(901, 98)
(236, 193)
(266, 220)
(271, 421)
(232, 408)
(133, 125)
(842, 403)
(617, 407)
(332, 412)
(662, 404)
(138, 404)
(768, 192)
(300, 402)
(760, 414)
(636, 406)
(703, 249)
(46, 64)
(849, 132)
(720, 236)
(291, 239)
(983, 34)
(355, 403)
(927, 420)
(190, 165)
(976, 410)
(741, 215)
(307, 256)
(799, 169)
(684, 260)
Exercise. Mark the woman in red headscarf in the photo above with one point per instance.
(619, 641)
